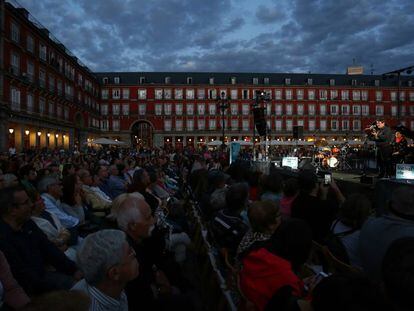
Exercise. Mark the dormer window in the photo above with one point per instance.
(353, 82)
(310, 81)
(287, 81)
(116, 80)
(105, 80)
(255, 81)
(233, 80)
(167, 80)
(141, 80)
(266, 81)
(332, 82)
(377, 82)
(211, 81)
(189, 80)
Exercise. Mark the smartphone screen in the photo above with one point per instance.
(328, 179)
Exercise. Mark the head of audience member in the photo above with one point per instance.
(272, 183)
(292, 241)
(113, 170)
(27, 172)
(348, 292)
(107, 261)
(237, 197)
(71, 186)
(217, 179)
(38, 204)
(218, 199)
(85, 177)
(15, 206)
(290, 187)
(54, 168)
(134, 217)
(50, 185)
(68, 169)
(398, 273)
(10, 180)
(140, 180)
(308, 182)
(355, 210)
(401, 204)
(116, 203)
(264, 216)
(102, 172)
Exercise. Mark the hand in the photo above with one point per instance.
(64, 235)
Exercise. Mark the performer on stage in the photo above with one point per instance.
(400, 148)
(383, 136)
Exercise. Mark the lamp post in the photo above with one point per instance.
(261, 96)
(222, 103)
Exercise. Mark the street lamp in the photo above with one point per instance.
(261, 97)
(222, 103)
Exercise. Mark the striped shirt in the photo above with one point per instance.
(101, 301)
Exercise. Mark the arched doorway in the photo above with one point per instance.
(142, 134)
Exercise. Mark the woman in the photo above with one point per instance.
(71, 198)
(400, 147)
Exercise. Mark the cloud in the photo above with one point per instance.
(267, 15)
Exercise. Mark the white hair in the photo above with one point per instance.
(98, 252)
(45, 182)
(129, 212)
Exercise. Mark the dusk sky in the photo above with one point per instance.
(321, 36)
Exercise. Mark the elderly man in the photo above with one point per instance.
(27, 248)
(108, 264)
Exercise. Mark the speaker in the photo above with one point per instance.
(298, 132)
(259, 121)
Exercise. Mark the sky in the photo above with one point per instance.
(294, 36)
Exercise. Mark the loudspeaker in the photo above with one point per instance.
(298, 132)
(259, 121)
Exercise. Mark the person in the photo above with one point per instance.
(398, 274)
(290, 192)
(382, 136)
(71, 201)
(101, 172)
(377, 234)
(400, 148)
(68, 169)
(27, 248)
(140, 182)
(108, 263)
(116, 184)
(27, 175)
(271, 187)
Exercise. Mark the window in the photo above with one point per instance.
(117, 80)
(142, 80)
(402, 110)
(233, 94)
(245, 124)
(322, 110)
(378, 96)
(269, 109)
(158, 93)
(178, 94)
(287, 81)
(30, 71)
(167, 80)
(311, 94)
(394, 111)
(402, 96)
(15, 32)
(105, 93)
(233, 80)
(30, 44)
(51, 109)
(201, 94)
(332, 82)
(116, 93)
(334, 94)
(353, 82)
(234, 124)
(300, 109)
(66, 113)
(167, 109)
(278, 125)
(245, 109)
(190, 109)
(364, 95)
(167, 94)
(288, 94)
(105, 80)
(322, 125)
(300, 122)
(356, 125)
(212, 124)
(158, 109)
(268, 94)
(189, 94)
(345, 125)
(223, 94)
(29, 102)
(334, 110)
(211, 81)
(59, 111)
(278, 94)
(356, 110)
(125, 93)
(356, 95)
(411, 110)
(142, 94)
(201, 108)
(377, 82)
(104, 109)
(212, 109)
(278, 109)
(179, 124)
(255, 81)
(15, 63)
(323, 94)
(115, 109)
(201, 124)
(179, 109)
(289, 125)
(15, 99)
(299, 94)
(234, 109)
(212, 94)
(365, 110)
(167, 125)
(115, 124)
(311, 109)
(266, 81)
(104, 125)
(393, 96)
(345, 95)
(289, 109)
(142, 109)
(42, 52)
(125, 109)
(334, 125)
(379, 110)
(345, 110)
(411, 96)
(311, 124)
(190, 124)
(42, 105)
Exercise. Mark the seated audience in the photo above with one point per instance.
(116, 184)
(271, 186)
(108, 263)
(71, 201)
(94, 196)
(102, 175)
(140, 182)
(290, 192)
(377, 234)
(27, 175)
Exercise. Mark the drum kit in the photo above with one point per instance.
(327, 157)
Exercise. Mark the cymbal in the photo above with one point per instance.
(321, 143)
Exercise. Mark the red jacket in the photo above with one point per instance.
(263, 274)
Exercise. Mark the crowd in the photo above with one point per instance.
(108, 230)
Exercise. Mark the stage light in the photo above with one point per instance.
(11, 131)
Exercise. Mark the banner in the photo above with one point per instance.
(234, 151)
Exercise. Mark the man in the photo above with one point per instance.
(102, 173)
(94, 196)
(140, 182)
(383, 138)
(377, 234)
(51, 192)
(27, 175)
(27, 248)
(116, 184)
(108, 264)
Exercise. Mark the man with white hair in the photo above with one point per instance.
(108, 264)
